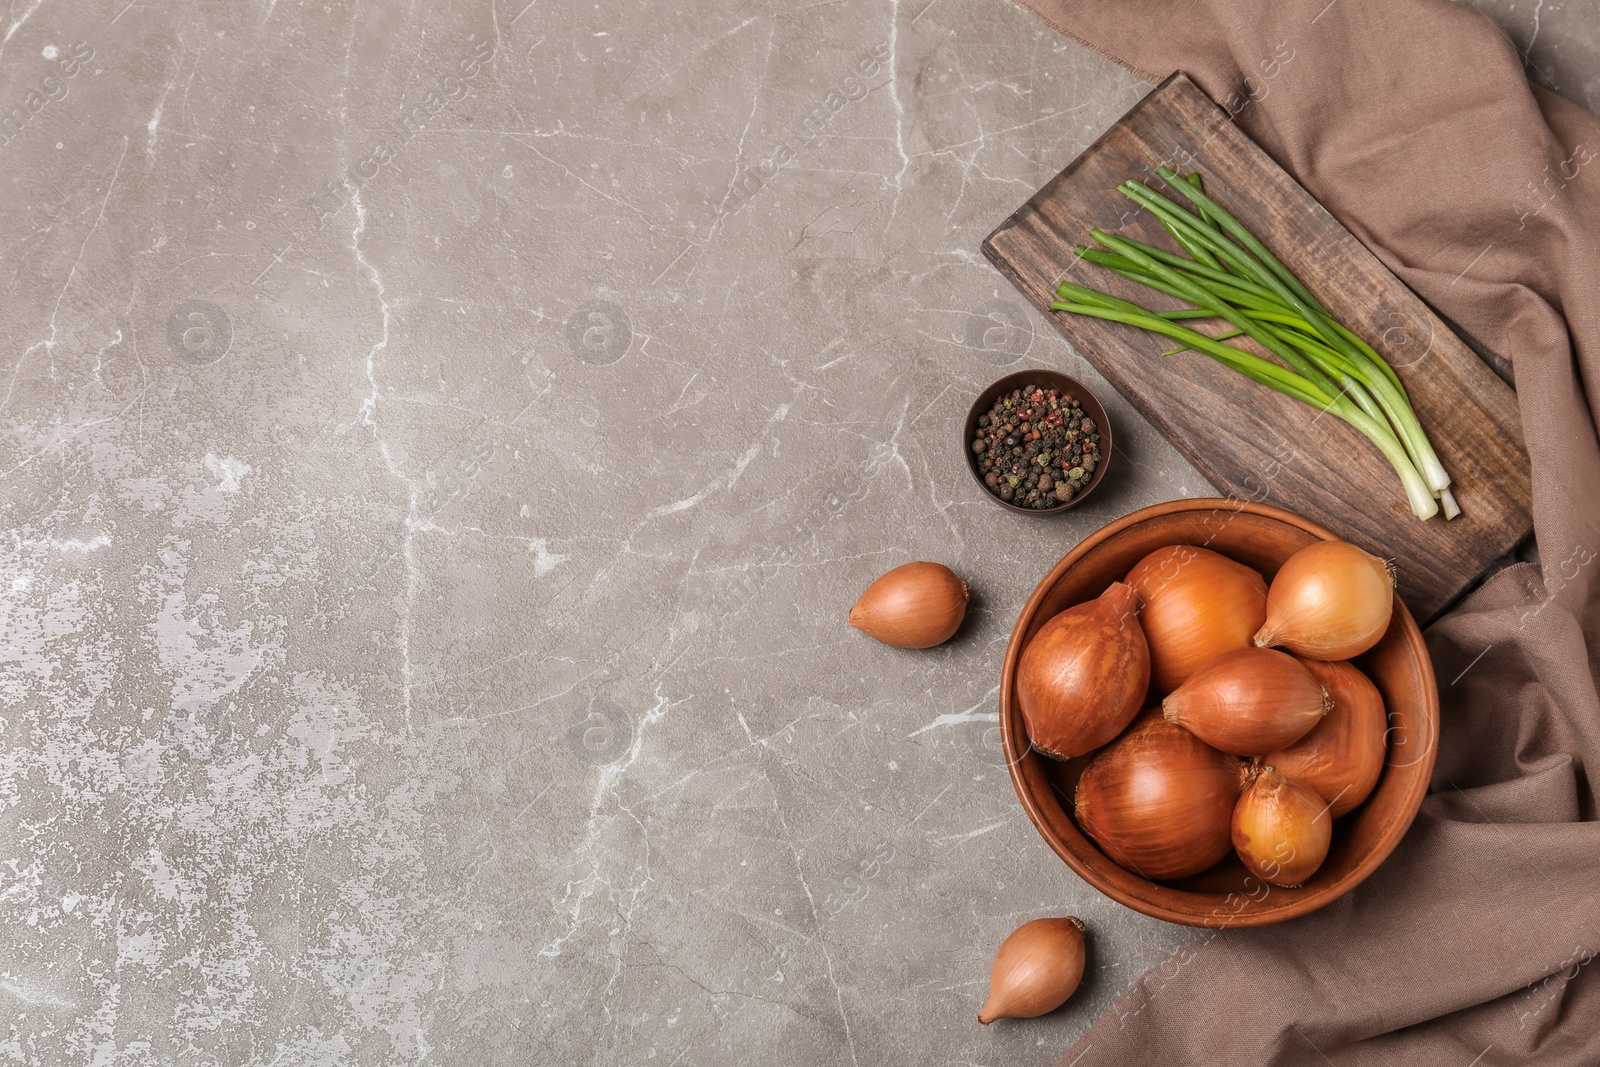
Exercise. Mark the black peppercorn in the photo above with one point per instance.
(1036, 447)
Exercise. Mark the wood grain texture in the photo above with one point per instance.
(1252, 443)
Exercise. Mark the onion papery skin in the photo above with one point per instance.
(916, 605)
(1329, 601)
(1084, 675)
(1249, 702)
(1159, 801)
(1037, 967)
(1196, 605)
(1341, 758)
(1281, 829)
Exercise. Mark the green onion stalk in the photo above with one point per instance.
(1228, 274)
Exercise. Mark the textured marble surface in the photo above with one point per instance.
(438, 448)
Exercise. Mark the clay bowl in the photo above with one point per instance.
(1049, 379)
(1226, 895)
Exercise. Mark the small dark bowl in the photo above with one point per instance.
(1050, 380)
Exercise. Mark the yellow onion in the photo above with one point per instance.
(1249, 702)
(1037, 968)
(1330, 600)
(917, 605)
(1342, 757)
(1083, 676)
(1158, 800)
(1281, 829)
(1197, 604)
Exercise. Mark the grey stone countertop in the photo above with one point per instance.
(439, 445)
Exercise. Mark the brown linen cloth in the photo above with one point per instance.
(1413, 123)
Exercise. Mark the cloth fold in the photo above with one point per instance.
(1412, 122)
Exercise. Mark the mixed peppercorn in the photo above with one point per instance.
(1036, 448)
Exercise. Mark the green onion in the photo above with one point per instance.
(1228, 274)
(1226, 335)
(1199, 295)
(1282, 280)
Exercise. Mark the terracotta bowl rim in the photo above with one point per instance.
(1418, 774)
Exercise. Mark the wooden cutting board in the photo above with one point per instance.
(1251, 442)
